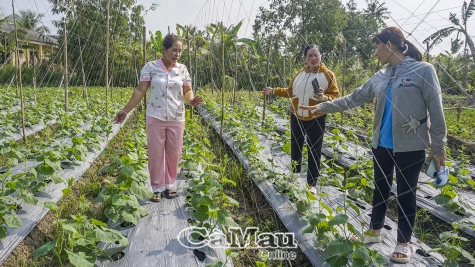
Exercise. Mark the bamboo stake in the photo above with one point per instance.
(222, 85)
(235, 74)
(344, 74)
(195, 82)
(285, 79)
(211, 70)
(34, 77)
(267, 81)
(66, 76)
(249, 71)
(144, 55)
(107, 56)
(189, 60)
(84, 92)
(134, 59)
(18, 79)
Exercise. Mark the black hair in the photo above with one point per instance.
(170, 39)
(310, 46)
(396, 37)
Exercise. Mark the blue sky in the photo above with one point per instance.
(406, 13)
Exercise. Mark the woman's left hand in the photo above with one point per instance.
(320, 96)
(313, 109)
(439, 160)
(197, 100)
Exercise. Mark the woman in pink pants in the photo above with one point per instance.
(170, 85)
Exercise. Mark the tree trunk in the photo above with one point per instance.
(469, 41)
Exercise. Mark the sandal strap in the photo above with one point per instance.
(403, 250)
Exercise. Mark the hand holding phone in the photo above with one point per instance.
(440, 177)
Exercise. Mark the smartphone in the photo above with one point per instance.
(316, 86)
(432, 170)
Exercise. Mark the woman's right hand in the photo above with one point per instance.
(267, 91)
(120, 117)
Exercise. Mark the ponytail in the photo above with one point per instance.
(412, 51)
(396, 37)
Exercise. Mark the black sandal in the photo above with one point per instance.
(169, 194)
(157, 197)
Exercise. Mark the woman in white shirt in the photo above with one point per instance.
(170, 85)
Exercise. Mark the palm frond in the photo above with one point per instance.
(453, 18)
(439, 35)
(469, 10)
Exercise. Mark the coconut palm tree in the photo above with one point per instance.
(30, 20)
(377, 9)
(459, 27)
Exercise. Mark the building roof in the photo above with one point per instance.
(31, 35)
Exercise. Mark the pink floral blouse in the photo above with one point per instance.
(166, 101)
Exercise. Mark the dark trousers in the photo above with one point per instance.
(408, 165)
(313, 130)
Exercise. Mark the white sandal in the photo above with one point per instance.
(402, 250)
(313, 190)
(367, 239)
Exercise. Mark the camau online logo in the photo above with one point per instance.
(249, 238)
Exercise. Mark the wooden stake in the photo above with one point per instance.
(222, 84)
(18, 69)
(66, 75)
(144, 55)
(107, 56)
(267, 81)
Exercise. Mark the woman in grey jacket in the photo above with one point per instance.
(408, 119)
